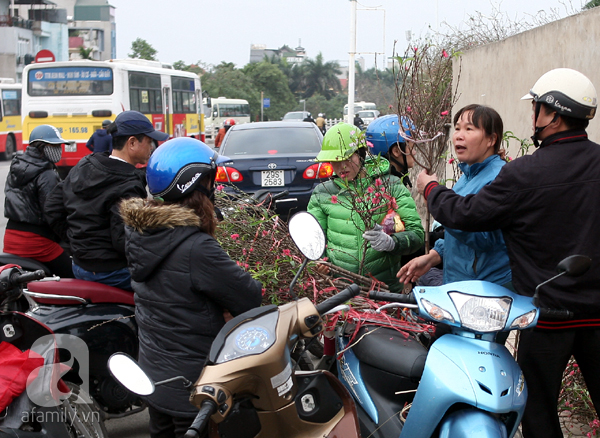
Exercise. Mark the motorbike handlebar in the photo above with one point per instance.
(555, 314)
(27, 277)
(209, 407)
(348, 293)
(392, 297)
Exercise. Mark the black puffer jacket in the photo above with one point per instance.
(30, 180)
(84, 209)
(183, 280)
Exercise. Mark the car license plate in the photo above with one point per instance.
(272, 178)
(71, 147)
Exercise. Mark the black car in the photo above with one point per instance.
(275, 156)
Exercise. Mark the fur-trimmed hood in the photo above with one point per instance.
(153, 233)
(141, 216)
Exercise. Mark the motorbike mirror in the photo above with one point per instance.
(307, 234)
(129, 374)
(574, 265)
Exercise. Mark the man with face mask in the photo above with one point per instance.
(31, 178)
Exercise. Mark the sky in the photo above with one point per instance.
(223, 30)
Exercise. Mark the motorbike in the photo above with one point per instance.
(45, 406)
(249, 386)
(103, 317)
(465, 384)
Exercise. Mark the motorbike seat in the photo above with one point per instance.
(388, 350)
(91, 291)
(25, 263)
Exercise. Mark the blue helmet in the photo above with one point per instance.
(177, 166)
(47, 134)
(383, 132)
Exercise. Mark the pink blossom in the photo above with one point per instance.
(286, 252)
(415, 49)
(220, 187)
(408, 109)
(251, 250)
(451, 160)
(444, 54)
(244, 252)
(444, 113)
(334, 199)
(235, 236)
(394, 204)
(390, 106)
(263, 291)
(265, 233)
(370, 144)
(378, 182)
(370, 189)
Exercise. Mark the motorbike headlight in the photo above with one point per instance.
(251, 337)
(524, 320)
(436, 312)
(481, 314)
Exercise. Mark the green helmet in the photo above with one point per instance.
(340, 142)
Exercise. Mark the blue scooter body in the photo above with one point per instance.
(468, 382)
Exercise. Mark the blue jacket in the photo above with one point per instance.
(475, 255)
(100, 141)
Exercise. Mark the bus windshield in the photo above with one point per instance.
(73, 81)
(233, 110)
(11, 102)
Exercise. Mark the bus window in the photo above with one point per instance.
(11, 102)
(233, 110)
(144, 93)
(75, 81)
(183, 95)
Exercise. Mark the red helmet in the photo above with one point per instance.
(229, 122)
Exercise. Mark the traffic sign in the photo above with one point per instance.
(45, 56)
(266, 102)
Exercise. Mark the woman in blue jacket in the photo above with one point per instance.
(470, 255)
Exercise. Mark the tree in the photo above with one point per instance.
(321, 77)
(591, 4)
(268, 78)
(85, 53)
(141, 49)
(227, 81)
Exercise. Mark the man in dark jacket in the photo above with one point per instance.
(101, 140)
(547, 206)
(84, 207)
(31, 179)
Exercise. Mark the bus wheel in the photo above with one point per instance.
(10, 148)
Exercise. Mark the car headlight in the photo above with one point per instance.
(251, 337)
(436, 312)
(481, 314)
(524, 320)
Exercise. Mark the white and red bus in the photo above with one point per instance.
(10, 118)
(76, 96)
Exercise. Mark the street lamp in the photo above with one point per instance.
(304, 102)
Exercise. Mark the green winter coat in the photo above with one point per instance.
(334, 205)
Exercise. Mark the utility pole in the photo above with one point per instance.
(351, 66)
(262, 104)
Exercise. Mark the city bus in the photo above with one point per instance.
(76, 96)
(219, 109)
(10, 117)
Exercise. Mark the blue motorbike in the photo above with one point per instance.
(465, 384)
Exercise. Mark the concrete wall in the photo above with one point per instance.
(499, 74)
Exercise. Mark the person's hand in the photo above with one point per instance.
(423, 179)
(322, 269)
(410, 272)
(227, 316)
(379, 240)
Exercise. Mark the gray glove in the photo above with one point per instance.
(379, 240)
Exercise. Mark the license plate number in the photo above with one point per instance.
(71, 147)
(272, 178)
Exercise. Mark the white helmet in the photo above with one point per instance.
(567, 91)
(320, 114)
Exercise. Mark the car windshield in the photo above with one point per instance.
(293, 116)
(271, 141)
(366, 114)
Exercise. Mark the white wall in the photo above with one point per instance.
(499, 74)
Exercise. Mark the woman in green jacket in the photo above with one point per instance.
(368, 215)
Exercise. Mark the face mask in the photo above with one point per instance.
(53, 153)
